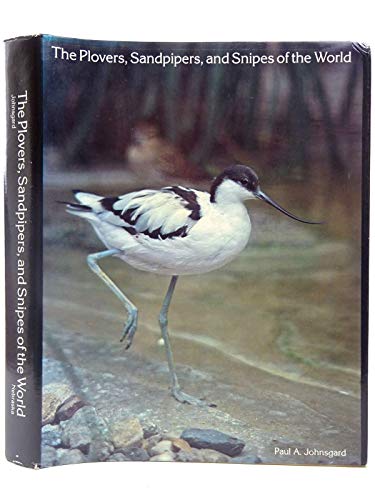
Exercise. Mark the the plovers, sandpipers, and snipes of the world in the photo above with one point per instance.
(173, 231)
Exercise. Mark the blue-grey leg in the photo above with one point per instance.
(131, 323)
(176, 391)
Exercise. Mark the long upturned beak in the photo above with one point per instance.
(262, 196)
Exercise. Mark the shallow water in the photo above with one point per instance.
(288, 305)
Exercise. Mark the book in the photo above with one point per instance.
(186, 251)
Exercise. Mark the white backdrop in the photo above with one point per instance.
(185, 21)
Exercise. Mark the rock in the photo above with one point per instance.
(117, 457)
(127, 433)
(214, 440)
(212, 456)
(54, 395)
(69, 408)
(167, 456)
(65, 457)
(179, 444)
(187, 456)
(77, 436)
(202, 455)
(51, 435)
(149, 430)
(49, 456)
(161, 447)
(135, 454)
(87, 432)
(246, 459)
(100, 450)
(152, 441)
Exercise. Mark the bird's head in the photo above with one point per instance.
(238, 183)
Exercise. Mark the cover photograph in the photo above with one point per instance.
(186, 252)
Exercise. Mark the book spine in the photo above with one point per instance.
(23, 250)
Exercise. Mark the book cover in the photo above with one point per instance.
(186, 252)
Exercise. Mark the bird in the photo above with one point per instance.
(172, 231)
(150, 153)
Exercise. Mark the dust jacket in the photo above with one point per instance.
(186, 251)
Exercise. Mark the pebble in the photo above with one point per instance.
(87, 432)
(212, 456)
(167, 456)
(160, 448)
(152, 441)
(51, 435)
(69, 408)
(127, 433)
(150, 430)
(214, 440)
(187, 456)
(116, 457)
(49, 456)
(54, 396)
(100, 450)
(79, 437)
(134, 455)
(202, 455)
(180, 444)
(66, 457)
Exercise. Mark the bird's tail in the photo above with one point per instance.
(86, 206)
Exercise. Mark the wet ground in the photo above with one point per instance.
(272, 338)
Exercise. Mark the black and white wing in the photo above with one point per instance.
(168, 213)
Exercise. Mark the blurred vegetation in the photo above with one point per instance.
(291, 119)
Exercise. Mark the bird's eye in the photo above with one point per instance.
(244, 182)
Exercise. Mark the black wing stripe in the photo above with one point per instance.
(128, 214)
(108, 204)
(157, 234)
(131, 230)
(190, 198)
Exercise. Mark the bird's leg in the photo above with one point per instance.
(131, 323)
(176, 391)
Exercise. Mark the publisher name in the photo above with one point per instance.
(309, 452)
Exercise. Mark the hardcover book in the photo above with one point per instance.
(186, 252)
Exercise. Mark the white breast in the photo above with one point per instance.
(216, 239)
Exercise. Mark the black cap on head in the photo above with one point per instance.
(241, 174)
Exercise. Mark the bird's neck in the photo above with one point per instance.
(225, 193)
(229, 205)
